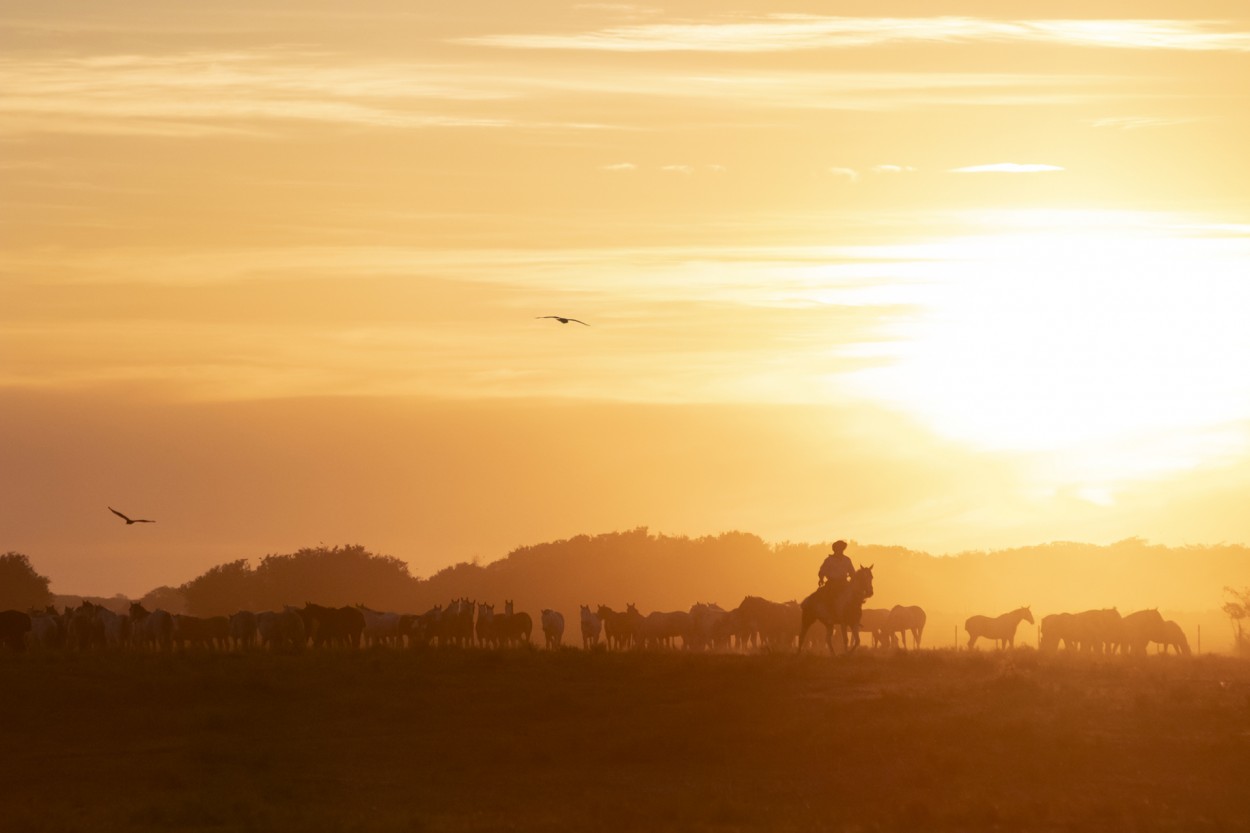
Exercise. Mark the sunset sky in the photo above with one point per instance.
(944, 275)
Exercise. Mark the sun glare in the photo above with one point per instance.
(1056, 332)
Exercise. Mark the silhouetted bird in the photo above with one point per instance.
(562, 319)
(130, 521)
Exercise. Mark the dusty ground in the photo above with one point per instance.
(569, 741)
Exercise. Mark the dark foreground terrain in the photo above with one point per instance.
(573, 741)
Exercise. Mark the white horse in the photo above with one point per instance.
(592, 625)
(906, 618)
(47, 631)
(553, 627)
(281, 630)
(380, 628)
(709, 626)
(1002, 629)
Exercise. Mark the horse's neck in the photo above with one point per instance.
(850, 593)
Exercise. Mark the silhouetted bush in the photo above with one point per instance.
(20, 586)
(334, 576)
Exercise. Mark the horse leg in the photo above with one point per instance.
(803, 626)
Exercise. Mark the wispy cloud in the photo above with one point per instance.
(790, 32)
(200, 93)
(619, 167)
(212, 93)
(892, 169)
(1139, 122)
(1006, 168)
(849, 174)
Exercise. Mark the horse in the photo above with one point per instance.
(83, 629)
(193, 630)
(243, 629)
(1172, 636)
(618, 627)
(553, 627)
(426, 627)
(1002, 629)
(455, 624)
(114, 627)
(710, 626)
(876, 620)
(487, 633)
(1097, 631)
(336, 625)
(1056, 628)
(837, 603)
(151, 629)
(906, 618)
(634, 621)
(770, 625)
(380, 628)
(14, 625)
(282, 630)
(1140, 629)
(591, 626)
(660, 629)
(516, 626)
(47, 631)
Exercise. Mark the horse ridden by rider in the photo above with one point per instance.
(838, 599)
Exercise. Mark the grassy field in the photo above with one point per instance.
(461, 741)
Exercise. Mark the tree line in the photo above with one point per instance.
(669, 572)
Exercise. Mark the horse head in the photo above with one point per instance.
(862, 580)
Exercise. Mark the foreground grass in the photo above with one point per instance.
(469, 741)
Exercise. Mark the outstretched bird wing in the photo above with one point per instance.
(130, 520)
(564, 319)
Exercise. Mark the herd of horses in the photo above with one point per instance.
(756, 624)
(1103, 631)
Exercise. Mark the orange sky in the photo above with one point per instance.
(946, 276)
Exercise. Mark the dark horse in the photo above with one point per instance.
(837, 604)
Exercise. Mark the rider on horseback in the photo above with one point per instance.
(837, 567)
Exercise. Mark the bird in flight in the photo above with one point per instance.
(130, 521)
(563, 320)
